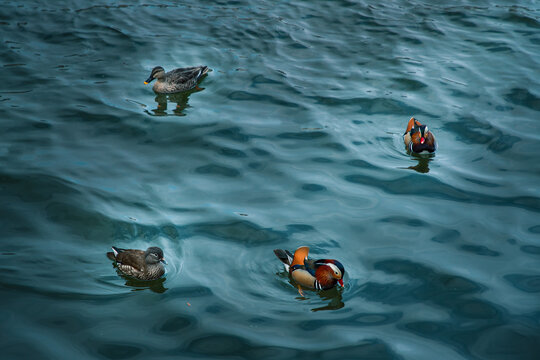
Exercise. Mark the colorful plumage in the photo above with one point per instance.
(322, 274)
(142, 265)
(418, 139)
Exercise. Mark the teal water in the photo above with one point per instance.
(293, 139)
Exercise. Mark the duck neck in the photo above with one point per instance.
(155, 269)
(325, 278)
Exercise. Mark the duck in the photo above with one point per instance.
(139, 264)
(176, 80)
(322, 274)
(418, 139)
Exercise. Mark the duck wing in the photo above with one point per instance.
(311, 266)
(186, 78)
(131, 259)
(431, 143)
(188, 72)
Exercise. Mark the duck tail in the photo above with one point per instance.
(410, 124)
(204, 70)
(285, 256)
(117, 250)
(111, 256)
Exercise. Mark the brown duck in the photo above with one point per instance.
(418, 139)
(176, 80)
(139, 264)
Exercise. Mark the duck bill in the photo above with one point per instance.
(422, 140)
(340, 281)
(163, 261)
(148, 81)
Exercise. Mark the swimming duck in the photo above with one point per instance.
(418, 139)
(322, 274)
(176, 80)
(142, 265)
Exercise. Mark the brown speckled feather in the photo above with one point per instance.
(180, 79)
(132, 263)
(133, 258)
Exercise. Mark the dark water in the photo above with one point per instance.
(294, 139)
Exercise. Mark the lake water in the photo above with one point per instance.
(294, 138)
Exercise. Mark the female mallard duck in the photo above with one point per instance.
(418, 139)
(322, 274)
(142, 265)
(176, 80)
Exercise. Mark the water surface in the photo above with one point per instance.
(293, 139)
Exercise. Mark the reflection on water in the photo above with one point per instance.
(335, 297)
(423, 163)
(156, 286)
(178, 100)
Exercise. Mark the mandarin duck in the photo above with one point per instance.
(176, 80)
(139, 264)
(418, 139)
(322, 274)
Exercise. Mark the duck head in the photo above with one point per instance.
(419, 134)
(329, 272)
(421, 139)
(157, 73)
(154, 255)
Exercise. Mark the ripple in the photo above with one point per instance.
(247, 96)
(408, 84)
(218, 344)
(527, 283)
(370, 319)
(245, 232)
(119, 351)
(426, 328)
(376, 106)
(535, 229)
(523, 97)
(221, 344)
(435, 188)
(304, 135)
(404, 221)
(215, 169)
(501, 342)
(522, 19)
(531, 249)
(176, 324)
(313, 187)
(480, 250)
(236, 134)
(447, 235)
(439, 288)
